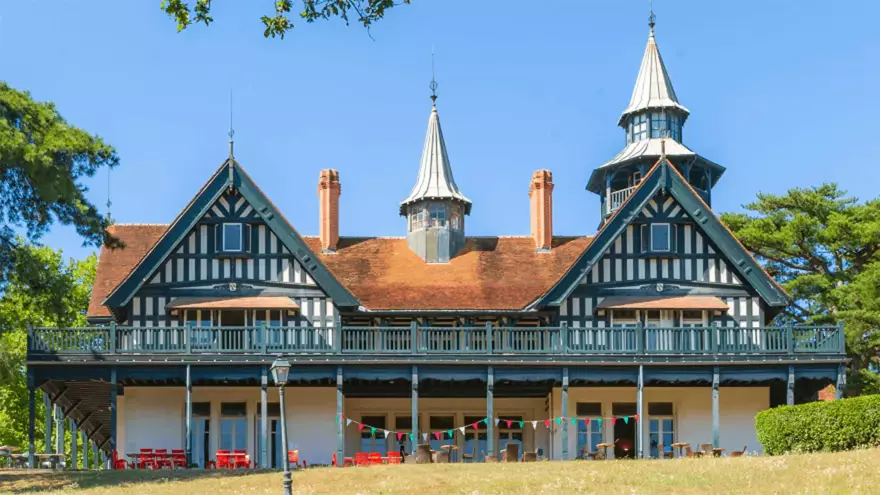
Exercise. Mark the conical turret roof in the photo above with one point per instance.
(435, 179)
(653, 87)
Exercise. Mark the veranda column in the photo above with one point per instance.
(264, 418)
(114, 389)
(716, 416)
(47, 433)
(189, 418)
(85, 445)
(74, 446)
(32, 423)
(95, 459)
(640, 406)
(789, 389)
(565, 413)
(841, 381)
(340, 425)
(490, 412)
(415, 408)
(59, 430)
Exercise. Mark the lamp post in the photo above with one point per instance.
(280, 370)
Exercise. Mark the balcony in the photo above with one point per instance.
(617, 198)
(123, 342)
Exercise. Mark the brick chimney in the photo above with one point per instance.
(329, 190)
(541, 199)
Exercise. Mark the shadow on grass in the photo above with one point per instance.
(37, 481)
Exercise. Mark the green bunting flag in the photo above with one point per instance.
(574, 421)
(521, 424)
(626, 419)
(559, 421)
(373, 430)
(599, 422)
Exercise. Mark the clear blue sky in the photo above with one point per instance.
(782, 93)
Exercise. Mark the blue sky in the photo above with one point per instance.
(782, 93)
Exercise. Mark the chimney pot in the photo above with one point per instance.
(541, 199)
(329, 189)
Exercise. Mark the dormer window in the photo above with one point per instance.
(232, 238)
(437, 212)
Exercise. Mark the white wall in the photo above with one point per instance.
(692, 407)
(154, 417)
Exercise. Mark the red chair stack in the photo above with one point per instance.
(161, 459)
(242, 460)
(394, 458)
(293, 458)
(147, 459)
(117, 462)
(224, 459)
(375, 458)
(178, 459)
(362, 459)
(346, 461)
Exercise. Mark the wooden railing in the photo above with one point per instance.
(415, 340)
(616, 198)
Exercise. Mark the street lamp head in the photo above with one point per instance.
(280, 371)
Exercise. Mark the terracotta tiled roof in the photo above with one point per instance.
(115, 264)
(490, 273)
(661, 302)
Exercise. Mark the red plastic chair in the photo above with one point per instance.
(161, 459)
(119, 463)
(147, 459)
(224, 460)
(375, 458)
(293, 458)
(346, 461)
(395, 458)
(362, 459)
(178, 458)
(241, 459)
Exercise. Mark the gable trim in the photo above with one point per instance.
(664, 176)
(196, 209)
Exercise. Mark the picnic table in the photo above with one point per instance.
(452, 449)
(605, 446)
(679, 446)
(716, 452)
(136, 457)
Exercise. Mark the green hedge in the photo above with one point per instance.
(820, 426)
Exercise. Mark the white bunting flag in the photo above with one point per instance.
(424, 437)
(347, 421)
(534, 425)
(461, 429)
(387, 433)
(496, 421)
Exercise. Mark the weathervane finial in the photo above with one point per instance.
(652, 19)
(231, 131)
(433, 84)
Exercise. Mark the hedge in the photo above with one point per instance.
(830, 426)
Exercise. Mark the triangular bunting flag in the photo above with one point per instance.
(450, 433)
(636, 417)
(509, 422)
(486, 420)
(521, 424)
(626, 420)
(559, 420)
(599, 422)
(347, 421)
(424, 437)
(360, 426)
(546, 423)
(373, 430)
(399, 436)
(461, 429)
(437, 435)
(497, 420)
(613, 421)
(387, 433)
(574, 421)
(412, 438)
(474, 425)
(534, 425)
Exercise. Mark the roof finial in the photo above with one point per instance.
(109, 203)
(652, 19)
(433, 84)
(231, 131)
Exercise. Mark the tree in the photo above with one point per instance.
(824, 248)
(43, 289)
(367, 12)
(42, 161)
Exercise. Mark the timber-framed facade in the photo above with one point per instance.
(662, 318)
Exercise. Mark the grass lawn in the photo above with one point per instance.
(850, 472)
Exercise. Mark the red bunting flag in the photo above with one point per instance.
(399, 436)
(342, 416)
(474, 425)
(546, 423)
(636, 417)
(509, 422)
(587, 422)
(360, 426)
(437, 435)
(613, 421)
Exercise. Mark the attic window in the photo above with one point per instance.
(660, 234)
(232, 239)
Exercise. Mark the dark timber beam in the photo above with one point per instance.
(415, 408)
(565, 414)
(716, 410)
(59, 395)
(73, 407)
(340, 424)
(32, 420)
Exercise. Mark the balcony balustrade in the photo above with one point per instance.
(450, 341)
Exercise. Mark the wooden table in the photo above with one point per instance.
(53, 458)
(716, 452)
(679, 446)
(451, 449)
(605, 447)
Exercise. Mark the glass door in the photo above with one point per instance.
(200, 434)
(233, 426)
(509, 431)
(402, 424)
(275, 445)
(476, 440)
(373, 442)
(661, 427)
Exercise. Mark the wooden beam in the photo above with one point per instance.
(72, 408)
(565, 414)
(415, 408)
(490, 411)
(789, 391)
(60, 394)
(640, 410)
(716, 410)
(340, 420)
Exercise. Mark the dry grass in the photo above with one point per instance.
(850, 472)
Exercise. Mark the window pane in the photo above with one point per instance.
(660, 409)
(589, 408)
(201, 409)
(233, 408)
(660, 237)
(232, 237)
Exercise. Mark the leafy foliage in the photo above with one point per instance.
(830, 426)
(824, 248)
(44, 289)
(279, 23)
(42, 160)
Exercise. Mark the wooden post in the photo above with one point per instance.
(415, 408)
(640, 410)
(841, 380)
(563, 335)
(59, 430)
(264, 338)
(490, 339)
(716, 412)
(189, 416)
(74, 445)
(789, 335)
(490, 412)
(789, 389)
(95, 459)
(264, 414)
(640, 338)
(565, 413)
(842, 337)
(114, 390)
(85, 446)
(340, 414)
(113, 344)
(414, 336)
(187, 334)
(32, 420)
(47, 433)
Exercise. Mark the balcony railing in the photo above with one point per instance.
(616, 198)
(415, 340)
